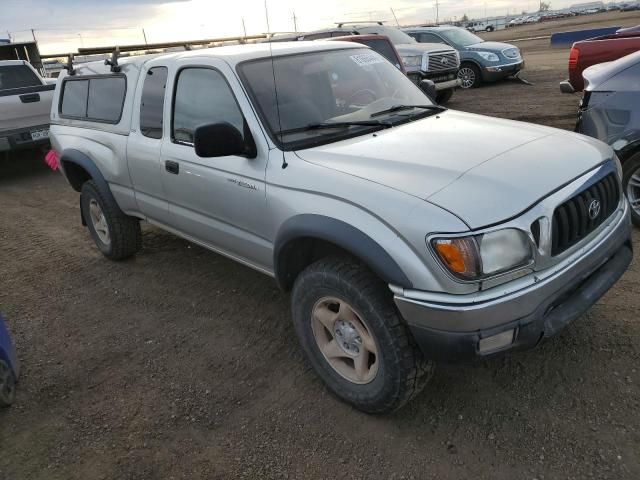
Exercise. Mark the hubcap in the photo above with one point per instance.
(99, 222)
(633, 191)
(468, 77)
(345, 340)
(7, 386)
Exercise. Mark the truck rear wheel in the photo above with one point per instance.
(631, 186)
(117, 236)
(354, 338)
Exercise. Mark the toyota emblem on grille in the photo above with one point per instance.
(594, 209)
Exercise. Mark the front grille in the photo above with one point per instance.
(439, 62)
(511, 53)
(583, 213)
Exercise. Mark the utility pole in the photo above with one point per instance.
(244, 28)
(295, 22)
(9, 36)
(33, 34)
(394, 16)
(144, 34)
(437, 12)
(81, 40)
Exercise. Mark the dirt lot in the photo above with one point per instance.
(183, 364)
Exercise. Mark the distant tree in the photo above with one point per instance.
(464, 18)
(545, 6)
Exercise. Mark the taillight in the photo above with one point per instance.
(574, 56)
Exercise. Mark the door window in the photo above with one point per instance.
(152, 104)
(203, 96)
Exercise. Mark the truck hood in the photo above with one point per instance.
(488, 47)
(420, 48)
(484, 170)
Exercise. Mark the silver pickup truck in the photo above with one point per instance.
(25, 106)
(407, 233)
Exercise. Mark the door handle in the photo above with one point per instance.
(172, 167)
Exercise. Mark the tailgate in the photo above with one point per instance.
(25, 107)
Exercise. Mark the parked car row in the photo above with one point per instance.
(449, 56)
(607, 69)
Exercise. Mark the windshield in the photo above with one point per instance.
(461, 37)
(396, 36)
(338, 86)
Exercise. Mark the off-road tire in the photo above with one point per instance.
(631, 167)
(402, 371)
(7, 385)
(443, 97)
(125, 233)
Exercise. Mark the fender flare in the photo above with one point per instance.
(76, 157)
(343, 235)
(628, 151)
(71, 155)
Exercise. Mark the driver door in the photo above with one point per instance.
(219, 202)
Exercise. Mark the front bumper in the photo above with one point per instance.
(465, 328)
(448, 85)
(498, 72)
(21, 138)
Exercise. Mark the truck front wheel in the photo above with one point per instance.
(354, 338)
(117, 236)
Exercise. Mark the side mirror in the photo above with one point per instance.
(429, 89)
(221, 140)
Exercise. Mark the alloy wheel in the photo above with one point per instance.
(633, 191)
(467, 76)
(345, 340)
(99, 222)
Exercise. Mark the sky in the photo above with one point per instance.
(64, 25)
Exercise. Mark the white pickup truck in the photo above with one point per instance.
(25, 106)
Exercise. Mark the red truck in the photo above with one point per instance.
(597, 50)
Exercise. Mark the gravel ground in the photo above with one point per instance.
(183, 364)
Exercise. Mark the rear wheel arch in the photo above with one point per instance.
(79, 168)
(305, 239)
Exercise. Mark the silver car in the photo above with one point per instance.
(405, 232)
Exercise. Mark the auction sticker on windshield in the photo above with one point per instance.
(363, 59)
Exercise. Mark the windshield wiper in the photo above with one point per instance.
(397, 108)
(328, 125)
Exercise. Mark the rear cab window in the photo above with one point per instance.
(95, 99)
(17, 76)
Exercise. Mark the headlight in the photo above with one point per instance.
(488, 56)
(412, 61)
(480, 256)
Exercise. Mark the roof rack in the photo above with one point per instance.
(377, 22)
(69, 66)
(143, 47)
(113, 61)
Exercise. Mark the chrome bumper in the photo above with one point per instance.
(449, 84)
